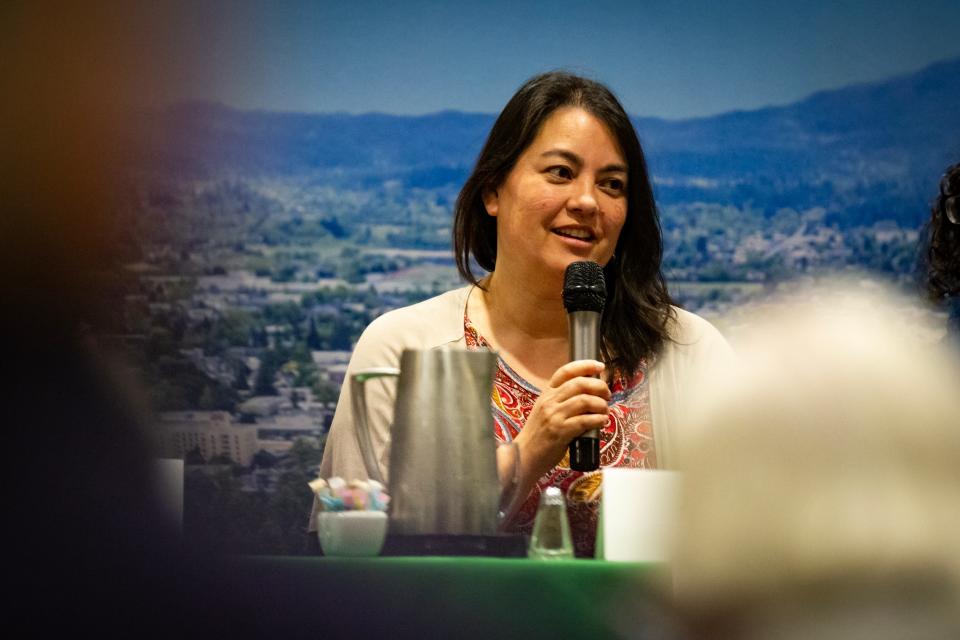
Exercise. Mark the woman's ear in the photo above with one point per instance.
(491, 202)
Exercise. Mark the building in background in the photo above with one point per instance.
(211, 433)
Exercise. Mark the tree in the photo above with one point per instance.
(288, 313)
(240, 377)
(263, 384)
(221, 458)
(258, 337)
(306, 455)
(194, 457)
(313, 337)
(371, 298)
(166, 396)
(217, 396)
(325, 390)
(208, 400)
(342, 335)
(333, 226)
(233, 329)
(263, 459)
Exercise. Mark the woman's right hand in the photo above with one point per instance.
(573, 402)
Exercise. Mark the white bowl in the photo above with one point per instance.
(351, 533)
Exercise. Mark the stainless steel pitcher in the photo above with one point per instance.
(443, 469)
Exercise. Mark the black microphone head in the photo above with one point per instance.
(584, 288)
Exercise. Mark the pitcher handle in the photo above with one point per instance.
(359, 405)
(508, 471)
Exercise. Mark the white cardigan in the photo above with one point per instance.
(695, 348)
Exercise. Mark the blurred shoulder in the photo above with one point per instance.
(689, 329)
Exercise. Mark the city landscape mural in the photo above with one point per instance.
(262, 243)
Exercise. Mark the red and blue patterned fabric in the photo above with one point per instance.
(626, 441)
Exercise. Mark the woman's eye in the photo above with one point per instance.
(560, 172)
(614, 184)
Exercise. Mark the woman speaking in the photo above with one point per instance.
(562, 178)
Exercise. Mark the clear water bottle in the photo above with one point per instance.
(551, 530)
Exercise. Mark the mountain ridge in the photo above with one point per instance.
(875, 148)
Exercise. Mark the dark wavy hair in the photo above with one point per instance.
(943, 239)
(634, 322)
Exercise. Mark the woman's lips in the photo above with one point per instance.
(572, 233)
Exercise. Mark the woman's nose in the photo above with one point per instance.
(583, 200)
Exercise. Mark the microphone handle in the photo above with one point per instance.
(585, 345)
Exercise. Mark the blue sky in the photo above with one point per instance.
(666, 59)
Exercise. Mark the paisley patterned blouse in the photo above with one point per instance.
(626, 441)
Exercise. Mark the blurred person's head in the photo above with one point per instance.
(943, 250)
(822, 481)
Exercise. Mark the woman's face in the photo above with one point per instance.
(564, 200)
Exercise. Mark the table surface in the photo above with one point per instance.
(458, 597)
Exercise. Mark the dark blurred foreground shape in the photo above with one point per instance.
(942, 259)
(822, 480)
(87, 546)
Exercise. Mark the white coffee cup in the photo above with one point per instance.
(638, 514)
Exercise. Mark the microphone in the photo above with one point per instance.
(584, 294)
